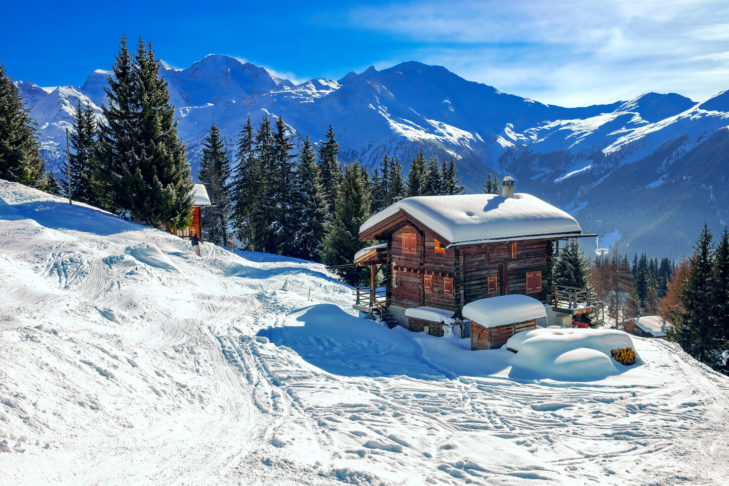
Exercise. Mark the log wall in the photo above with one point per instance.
(495, 337)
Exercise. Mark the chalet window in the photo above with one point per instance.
(447, 285)
(534, 282)
(409, 243)
(438, 248)
(493, 285)
(513, 251)
(428, 282)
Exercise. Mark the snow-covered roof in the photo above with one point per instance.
(200, 196)
(368, 249)
(504, 309)
(430, 314)
(473, 218)
(656, 326)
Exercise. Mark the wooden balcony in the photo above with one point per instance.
(572, 300)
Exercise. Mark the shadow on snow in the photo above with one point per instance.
(345, 345)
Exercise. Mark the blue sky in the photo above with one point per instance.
(563, 52)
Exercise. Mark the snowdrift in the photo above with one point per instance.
(126, 358)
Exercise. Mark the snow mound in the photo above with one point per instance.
(567, 354)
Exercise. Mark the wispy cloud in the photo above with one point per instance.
(569, 52)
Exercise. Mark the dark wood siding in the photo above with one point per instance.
(468, 266)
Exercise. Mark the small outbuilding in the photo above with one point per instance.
(648, 326)
(200, 199)
(495, 319)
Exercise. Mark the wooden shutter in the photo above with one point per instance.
(428, 282)
(534, 282)
(513, 251)
(410, 243)
(493, 284)
(447, 285)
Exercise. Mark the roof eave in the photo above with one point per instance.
(549, 236)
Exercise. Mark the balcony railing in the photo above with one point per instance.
(573, 299)
(369, 300)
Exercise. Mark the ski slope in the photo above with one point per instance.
(124, 358)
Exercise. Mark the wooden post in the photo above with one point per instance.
(372, 285)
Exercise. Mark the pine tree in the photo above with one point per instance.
(329, 170)
(309, 209)
(282, 191)
(416, 176)
(694, 329)
(20, 160)
(491, 186)
(245, 186)
(214, 174)
(81, 165)
(342, 240)
(141, 158)
(449, 180)
(433, 183)
(396, 187)
(721, 292)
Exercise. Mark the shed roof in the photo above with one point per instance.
(504, 309)
(200, 196)
(656, 326)
(475, 218)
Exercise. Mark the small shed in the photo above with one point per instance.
(429, 319)
(495, 319)
(200, 199)
(648, 326)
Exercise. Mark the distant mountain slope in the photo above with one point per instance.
(412, 106)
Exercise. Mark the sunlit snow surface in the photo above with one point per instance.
(124, 358)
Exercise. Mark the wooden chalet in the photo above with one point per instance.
(444, 252)
(200, 199)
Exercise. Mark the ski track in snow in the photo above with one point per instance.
(125, 358)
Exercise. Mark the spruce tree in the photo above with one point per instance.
(449, 179)
(433, 182)
(378, 192)
(416, 176)
(570, 267)
(396, 186)
(81, 165)
(694, 329)
(330, 171)
(721, 292)
(246, 185)
(140, 156)
(214, 174)
(491, 186)
(309, 207)
(262, 217)
(282, 194)
(52, 186)
(20, 160)
(342, 240)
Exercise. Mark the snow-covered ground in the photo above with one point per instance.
(124, 358)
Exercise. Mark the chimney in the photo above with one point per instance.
(507, 187)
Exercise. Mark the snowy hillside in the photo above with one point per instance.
(126, 358)
(570, 156)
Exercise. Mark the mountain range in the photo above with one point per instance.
(645, 173)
